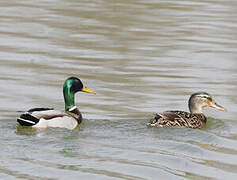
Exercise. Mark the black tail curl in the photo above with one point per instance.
(27, 120)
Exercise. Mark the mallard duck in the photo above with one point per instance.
(194, 119)
(48, 117)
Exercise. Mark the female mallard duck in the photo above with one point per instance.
(48, 117)
(194, 119)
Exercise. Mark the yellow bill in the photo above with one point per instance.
(85, 89)
(217, 106)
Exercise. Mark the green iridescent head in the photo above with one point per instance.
(71, 86)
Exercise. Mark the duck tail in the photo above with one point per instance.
(155, 119)
(27, 119)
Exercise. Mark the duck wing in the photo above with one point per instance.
(178, 118)
(33, 116)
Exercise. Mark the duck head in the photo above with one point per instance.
(71, 86)
(199, 100)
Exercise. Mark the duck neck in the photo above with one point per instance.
(69, 98)
(194, 108)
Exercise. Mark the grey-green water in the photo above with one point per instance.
(141, 57)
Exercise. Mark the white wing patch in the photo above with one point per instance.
(61, 122)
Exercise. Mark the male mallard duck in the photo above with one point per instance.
(194, 119)
(48, 117)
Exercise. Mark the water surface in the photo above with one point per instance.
(141, 57)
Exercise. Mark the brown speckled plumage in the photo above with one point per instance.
(194, 119)
(178, 118)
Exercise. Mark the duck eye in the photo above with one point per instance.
(209, 98)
